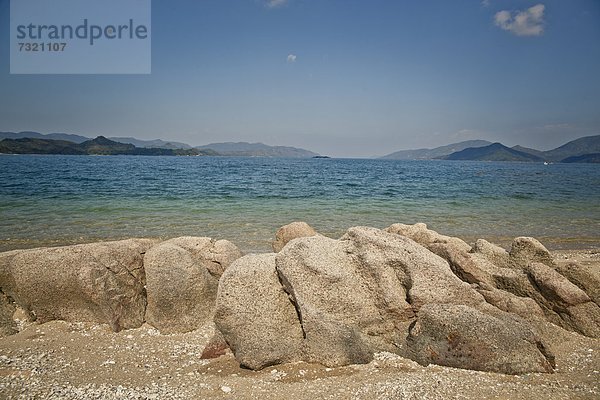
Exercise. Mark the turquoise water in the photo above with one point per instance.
(53, 200)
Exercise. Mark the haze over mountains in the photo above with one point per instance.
(244, 149)
(430, 154)
(61, 143)
(492, 152)
(585, 149)
(97, 146)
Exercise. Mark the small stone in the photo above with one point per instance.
(226, 389)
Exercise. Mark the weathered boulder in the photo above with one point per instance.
(525, 250)
(524, 307)
(353, 294)
(425, 237)
(289, 232)
(214, 255)
(333, 300)
(255, 315)
(585, 277)
(463, 337)
(98, 282)
(511, 280)
(492, 253)
(555, 287)
(583, 318)
(572, 304)
(182, 276)
(465, 265)
(336, 302)
(428, 276)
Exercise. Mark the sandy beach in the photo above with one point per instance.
(61, 360)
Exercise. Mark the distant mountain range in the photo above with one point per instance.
(245, 149)
(62, 143)
(430, 154)
(493, 152)
(585, 149)
(36, 135)
(151, 144)
(97, 146)
(582, 150)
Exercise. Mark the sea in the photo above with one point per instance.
(57, 200)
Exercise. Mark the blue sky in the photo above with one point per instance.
(345, 78)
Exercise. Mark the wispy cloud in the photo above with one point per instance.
(291, 58)
(522, 23)
(486, 3)
(275, 3)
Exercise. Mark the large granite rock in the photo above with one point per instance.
(255, 315)
(585, 277)
(337, 303)
(494, 254)
(427, 276)
(182, 276)
(513, 281)
(463, 337)
(289, 232)
(467, 266)
(425, 237)
(524, 307)
(572, 304)
(98, 282)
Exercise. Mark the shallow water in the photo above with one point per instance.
(53, 200)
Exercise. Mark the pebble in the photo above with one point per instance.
(226, 389)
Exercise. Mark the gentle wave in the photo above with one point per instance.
(70, 199)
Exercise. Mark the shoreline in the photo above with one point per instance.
(551, 243)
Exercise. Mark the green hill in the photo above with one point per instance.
(577, 147)
(97, 146)
(40, 146)
(245, 149)
(493, 152)
(430, 154)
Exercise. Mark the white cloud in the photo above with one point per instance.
(275, 3)
(523, 23)
(486, 3)
(291, 58)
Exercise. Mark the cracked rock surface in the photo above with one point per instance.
(405, 290)
(97, 282)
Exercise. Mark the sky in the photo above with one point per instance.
(345, 78)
